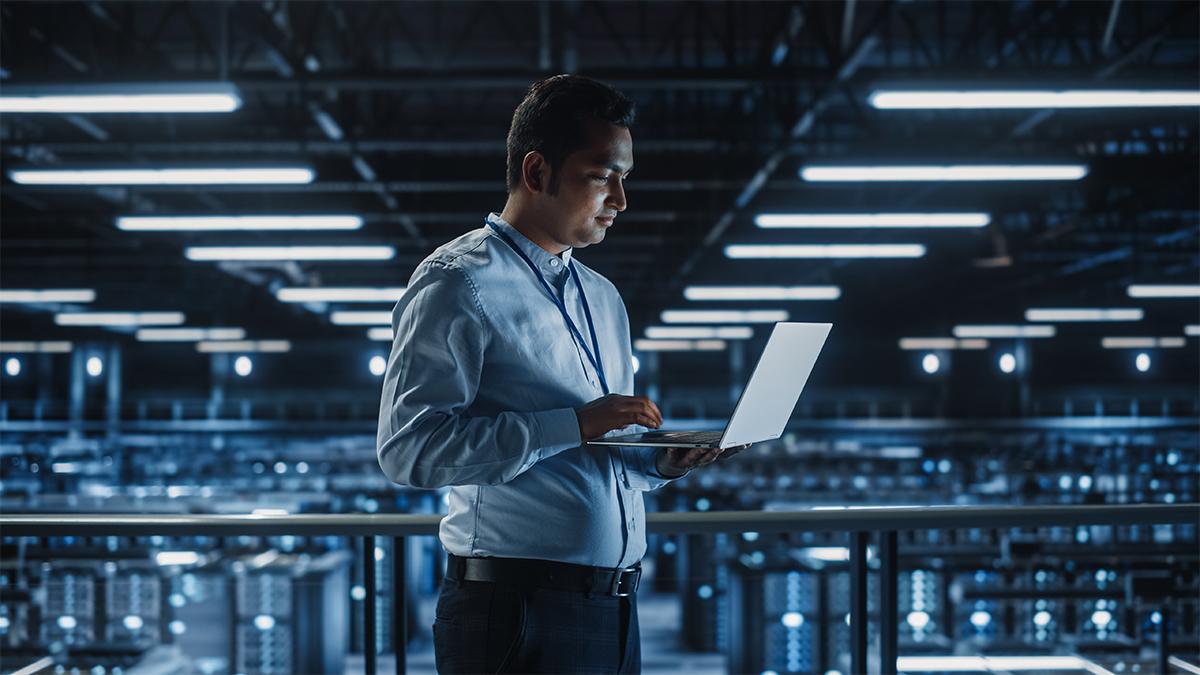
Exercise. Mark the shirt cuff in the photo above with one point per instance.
(558, 430)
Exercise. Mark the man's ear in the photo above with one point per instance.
(535, 171)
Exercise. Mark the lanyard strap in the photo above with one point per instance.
(562, 307)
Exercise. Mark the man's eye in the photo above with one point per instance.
(602, 179)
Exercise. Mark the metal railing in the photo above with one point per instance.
(859, 523)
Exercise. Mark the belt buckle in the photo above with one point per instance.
(619, 575)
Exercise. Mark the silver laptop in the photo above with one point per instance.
(767, 402)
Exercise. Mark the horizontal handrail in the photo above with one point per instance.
(810, 520)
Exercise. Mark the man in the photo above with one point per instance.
(508, 356)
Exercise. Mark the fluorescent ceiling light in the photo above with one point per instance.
(164, 558)
(225, 346)
(382, 334)
(283, 253)
(1131, 314)
(1002, 331)
(916, 343)
(951, 172)
(361, 318)
(679, 345)
(339, 294)
(1018, 99)
(1141, 342)
(221, 223)
(122, 98)
(824, 251)
(1192, 329)
(119, 319)
(1164, 291)
(46, 347)
(826, 553)
(48, 295)
(988, 664)
(165, 176)
(869, 220)
(762, 292)
(188, 334)
(700, 332)
(726, 316)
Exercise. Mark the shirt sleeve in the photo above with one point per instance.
(426, 439)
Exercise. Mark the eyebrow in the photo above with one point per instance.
(610, 163)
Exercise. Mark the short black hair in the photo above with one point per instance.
(553, 120)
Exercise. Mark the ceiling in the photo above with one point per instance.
(733, 98)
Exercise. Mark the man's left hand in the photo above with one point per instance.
(674, 462)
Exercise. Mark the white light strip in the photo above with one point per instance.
(277, 346)
(361, 318)
(1008, 100)
(914, 343)
(955, 172)
(1142, 342)
(339, 294)
(165, 558)
(1131, 314)
(49, 347)
(870, 220)
(1003, 331)
(120, 319)
(1192, 329)
(824, 251)
(273, 253)
(188, 334)
(1164, 291)
(700, 332)
(762, 293)
(272, 175)
(826, 553)
(383, 334)
(984, 664)
(218, 97)
(679, 345)
(226, 223)
(703, 316)
(48, 295)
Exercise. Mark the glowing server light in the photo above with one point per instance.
(930, 363)
(951, 172)
(679, 345)
(824, 251)
(870, 220)
(339, 294)
(919, 343)
(885, 99)
(128, 319)
(45, 347)
(200, 97)
(12, 366)
(266, 175)
(361, 319)
(94, 366)
(636, 363)
(288, 253)
(381, 334)
(167, 558)
(237, 223)
(1078, 314)
(699, 332)
(30, 296)
(1003, 331)
(1192, 330)
(1142, 342)
(1163, 291)
(1007, 363)
(188, 334)
(377, 366)
(723, 316)
(230, 346)
(762, 293)
(1142, 362)
(243, 366)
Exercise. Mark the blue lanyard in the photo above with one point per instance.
(562, 308)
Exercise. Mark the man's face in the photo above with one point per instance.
(590, 187)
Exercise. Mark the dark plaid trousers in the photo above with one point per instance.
(485, 627)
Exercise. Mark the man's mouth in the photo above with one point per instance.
(607, 220)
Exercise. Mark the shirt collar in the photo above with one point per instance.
(545, 260)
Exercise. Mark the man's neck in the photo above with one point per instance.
(526, 223)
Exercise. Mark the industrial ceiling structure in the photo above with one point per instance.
(400, 111)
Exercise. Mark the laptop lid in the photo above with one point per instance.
(770, 396)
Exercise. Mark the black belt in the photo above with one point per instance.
(617, 582)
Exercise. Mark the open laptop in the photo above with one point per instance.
(766, 403)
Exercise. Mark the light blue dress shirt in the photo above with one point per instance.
(480, 395)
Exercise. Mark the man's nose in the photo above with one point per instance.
(616, 196)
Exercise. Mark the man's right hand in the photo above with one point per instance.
(614, 412)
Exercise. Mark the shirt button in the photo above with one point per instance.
(554, 262)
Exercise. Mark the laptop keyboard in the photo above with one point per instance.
(689, 436)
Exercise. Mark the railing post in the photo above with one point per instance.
(369, 605)
(889, 627)
(858, 603)
(1163, 644)
(400, 602)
